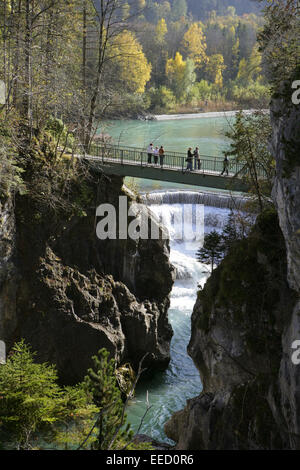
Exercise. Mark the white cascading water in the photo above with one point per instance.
(169, 390)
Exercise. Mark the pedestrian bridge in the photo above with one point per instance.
(131, 161)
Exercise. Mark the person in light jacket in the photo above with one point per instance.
(155, 153)
(150, 153)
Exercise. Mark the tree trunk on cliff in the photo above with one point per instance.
(16, 58)
(27, 97)
(102, 46)
(110, 25)
(84, 64)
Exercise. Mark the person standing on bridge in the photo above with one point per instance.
(161, 156)
(155, 154)
(189, 160)
(225, 166)
(197, 161)
(150, 153)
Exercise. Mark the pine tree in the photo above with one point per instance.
(230, 233)
(30, 398)
(102, 383)
(212, 251)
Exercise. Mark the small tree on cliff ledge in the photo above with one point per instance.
(212, 251)
(102, 383)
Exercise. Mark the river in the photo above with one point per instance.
(168, 391)
(174, 134)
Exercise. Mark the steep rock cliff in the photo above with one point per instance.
(71, 300)
(8, 271)
(285, 145)
(246, 319)
(237, 324)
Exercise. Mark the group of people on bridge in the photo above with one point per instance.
(157, 153)
(193, 158)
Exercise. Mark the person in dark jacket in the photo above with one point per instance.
(189, 160)
(225, 166)
(197, 161)
(155, 154)
(161, 156)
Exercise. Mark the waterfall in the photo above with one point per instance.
(220, 200)
(167, 206)
(168, 391)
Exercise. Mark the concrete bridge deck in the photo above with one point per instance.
(130, 161)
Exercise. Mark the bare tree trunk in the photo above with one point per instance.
(16, 57)
(105, 17)
(96, 91)
(27, 98)
(84, 59)
(253, 172)
(4, 35)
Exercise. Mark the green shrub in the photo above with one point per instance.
(162, 98)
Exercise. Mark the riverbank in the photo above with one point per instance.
(217, 114)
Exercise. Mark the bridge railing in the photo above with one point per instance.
(172, 160)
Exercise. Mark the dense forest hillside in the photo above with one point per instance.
(201, 8)
(195, 54)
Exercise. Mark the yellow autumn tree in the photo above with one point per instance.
(194, 42)
(180, 75)
(133, 67)
(175, 69)
(215, 68)
(161, 30)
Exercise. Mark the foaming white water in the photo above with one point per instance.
(209, 199)
(168, 391)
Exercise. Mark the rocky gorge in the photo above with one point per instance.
(246, 319)
(69, 294)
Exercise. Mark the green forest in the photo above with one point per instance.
(154, 56)
(208, 61)
(194, 55)
(65, 66)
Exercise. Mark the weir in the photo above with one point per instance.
(219, 200)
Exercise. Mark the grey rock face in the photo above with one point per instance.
(285, 145)
(71, 298)
(75, 314)
(8, 272)
(243, 326)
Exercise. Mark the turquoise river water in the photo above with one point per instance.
(168, 391)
